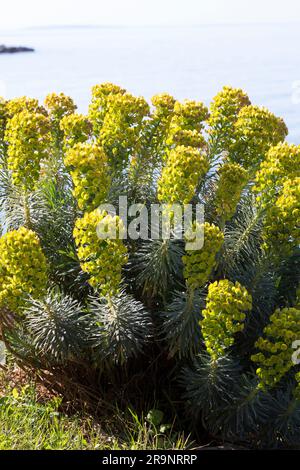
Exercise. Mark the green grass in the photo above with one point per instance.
(26, 423)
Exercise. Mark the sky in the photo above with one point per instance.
(19, 13)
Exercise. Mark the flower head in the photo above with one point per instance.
(198, 264)
(232, 179)
(224, 111)
(28, 138)
(185, 167)
(23, 103)
(76, 128)
(90, 174)
(256, 131)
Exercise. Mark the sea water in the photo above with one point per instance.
(188, 62)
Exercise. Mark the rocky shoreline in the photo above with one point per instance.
(12, 50)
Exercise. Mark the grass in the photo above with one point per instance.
(29, 423)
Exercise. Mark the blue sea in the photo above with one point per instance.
(188, 62)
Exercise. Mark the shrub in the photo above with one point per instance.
(212, 329)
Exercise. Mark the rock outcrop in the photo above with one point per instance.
(12, 50)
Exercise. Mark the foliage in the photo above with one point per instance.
(96, 315)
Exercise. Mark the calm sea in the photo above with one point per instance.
(189, 62)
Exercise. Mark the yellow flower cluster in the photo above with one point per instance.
(232, 179)
(23, 268)
(282, 163)
(278, 192)
(191, 114)
(90, 174)
(298, 297)
(297, 389)
(99, 103)
(188, 138)
(198, 264)
(76, 128)
(59, 105)
(224, 315)
(256, 130)
(157, 128)
(282, 223)
(187, 124)
(275, 356)
(224, 111)
(17, 105)
(102, 258)
(152, 142)
(185, 167)
(121, 127)
(28, 138)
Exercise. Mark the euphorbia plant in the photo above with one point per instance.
(211, 328)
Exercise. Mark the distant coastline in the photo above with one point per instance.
(14, 49)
